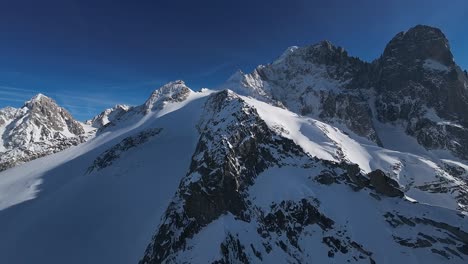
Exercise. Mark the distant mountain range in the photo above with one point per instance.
(317, 157)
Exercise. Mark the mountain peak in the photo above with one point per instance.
(171, 87)
(425, 30)
(419, 43)
(175, 91)
(40, 100)
(324, 44)
(39, 128)
(120, 106)
(39, 97)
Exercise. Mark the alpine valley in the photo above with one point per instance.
(317, 157)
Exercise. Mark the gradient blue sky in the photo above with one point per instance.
(90, 55)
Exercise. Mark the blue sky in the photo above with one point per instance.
(90, 55)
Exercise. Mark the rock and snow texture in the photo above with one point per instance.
(107, 116)
(39, 128)
(97, 212)
(320, 81)
(247, 176)
(415, 79)
(257, 192)
(420, 87)
(175, 91)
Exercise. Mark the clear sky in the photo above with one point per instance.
(93, 54)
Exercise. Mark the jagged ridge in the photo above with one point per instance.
(415, 86)
(39, 128)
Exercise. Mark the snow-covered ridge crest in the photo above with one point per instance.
(108, 116)
(256, 176)
(276, 184)
(166, 99)
(37, 98)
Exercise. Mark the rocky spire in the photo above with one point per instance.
(420, 42)
(418, 64)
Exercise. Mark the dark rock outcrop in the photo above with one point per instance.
(321, 80)
(235, 145)
(384, 184)
(415, 84)
(418, 83)
(112, 154)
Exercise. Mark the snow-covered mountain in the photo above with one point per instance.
(293, 163)
(39, 128)
(107, 116)
(415, 87)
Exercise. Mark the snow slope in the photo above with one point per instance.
(331, 143)
(101, 201)
(318, 157)
(106, 216)
(298, 210)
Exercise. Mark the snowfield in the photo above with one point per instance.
(318, 157)
(58, 210)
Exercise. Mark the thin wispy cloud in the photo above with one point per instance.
(80, 106)
(95, 100)
(89, 99)
(155, 83)
(10, 99)
(215, 69)
(20, 94)
(13, 93)
(15, 89)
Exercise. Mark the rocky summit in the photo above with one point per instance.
(39, 128)
(317, 157)
(415, 86)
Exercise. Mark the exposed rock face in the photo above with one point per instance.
(254, 184)
(46, 116)
(448, 241)
(235, 145)
(384, 184)
(235, 148)
(108, 115)
(320, 80)
(263, 185)
(39, 128)
(415, 84)
(418, 67)
(109, 156)
(7, 114)
(419, 83)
